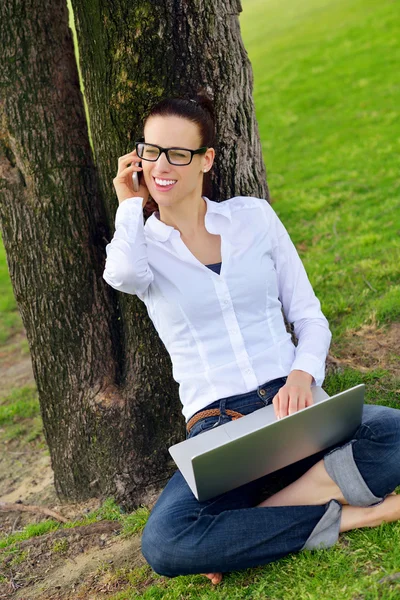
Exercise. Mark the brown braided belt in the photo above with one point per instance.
(211, 412)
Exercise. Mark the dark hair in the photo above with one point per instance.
(198, 109)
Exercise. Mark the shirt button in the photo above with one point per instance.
(226, 301)
(248, 371)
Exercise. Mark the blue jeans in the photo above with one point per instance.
(229, 532)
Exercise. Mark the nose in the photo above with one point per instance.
(162, 162)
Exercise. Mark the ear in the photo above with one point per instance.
(208, 159)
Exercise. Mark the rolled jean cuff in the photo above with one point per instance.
(326, 531)
(341, 467)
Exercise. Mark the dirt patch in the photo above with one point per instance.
(25, 470)
(15, 364)
(80, 562)
(24, 473)
(90, 574)
(26, 476)
(369, 348)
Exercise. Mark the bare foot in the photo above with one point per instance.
(388, 511)
(215, 577)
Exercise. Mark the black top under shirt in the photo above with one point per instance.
(215, 267)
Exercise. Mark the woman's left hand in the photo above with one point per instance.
(294, 395)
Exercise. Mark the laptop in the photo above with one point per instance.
(230, 455)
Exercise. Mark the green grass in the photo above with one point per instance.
(327, 100)
(21, 403)
(20, 416)
(71, 24)
(10, 319)
(109, 511)
(339, 573)
(380, 386)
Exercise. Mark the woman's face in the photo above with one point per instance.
(168, 132)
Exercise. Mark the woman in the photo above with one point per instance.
(214, 278)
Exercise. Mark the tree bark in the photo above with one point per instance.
(109, 404)
(134, 53)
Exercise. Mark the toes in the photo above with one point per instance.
(215, 577)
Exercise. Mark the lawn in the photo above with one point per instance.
(327, 97)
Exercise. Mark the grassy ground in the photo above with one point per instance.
(327, 103)
(327, 99)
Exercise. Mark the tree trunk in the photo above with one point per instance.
(134, 53)
(109, 404)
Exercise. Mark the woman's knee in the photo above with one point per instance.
(156, 549)
(172, 514)
(165, 542)
(178, 550)
(383, 423)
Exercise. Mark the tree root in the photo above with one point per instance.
(9, 506)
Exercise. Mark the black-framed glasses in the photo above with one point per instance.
(175, 155)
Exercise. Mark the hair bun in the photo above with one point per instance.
(203, 98)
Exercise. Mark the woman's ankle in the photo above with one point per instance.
(355, 517)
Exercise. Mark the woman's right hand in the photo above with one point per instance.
(123, 183)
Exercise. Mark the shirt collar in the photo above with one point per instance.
(161, 231)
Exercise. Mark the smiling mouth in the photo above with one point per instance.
(169, 184)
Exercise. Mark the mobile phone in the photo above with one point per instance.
(135, 178)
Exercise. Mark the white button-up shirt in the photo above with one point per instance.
(224, 332)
